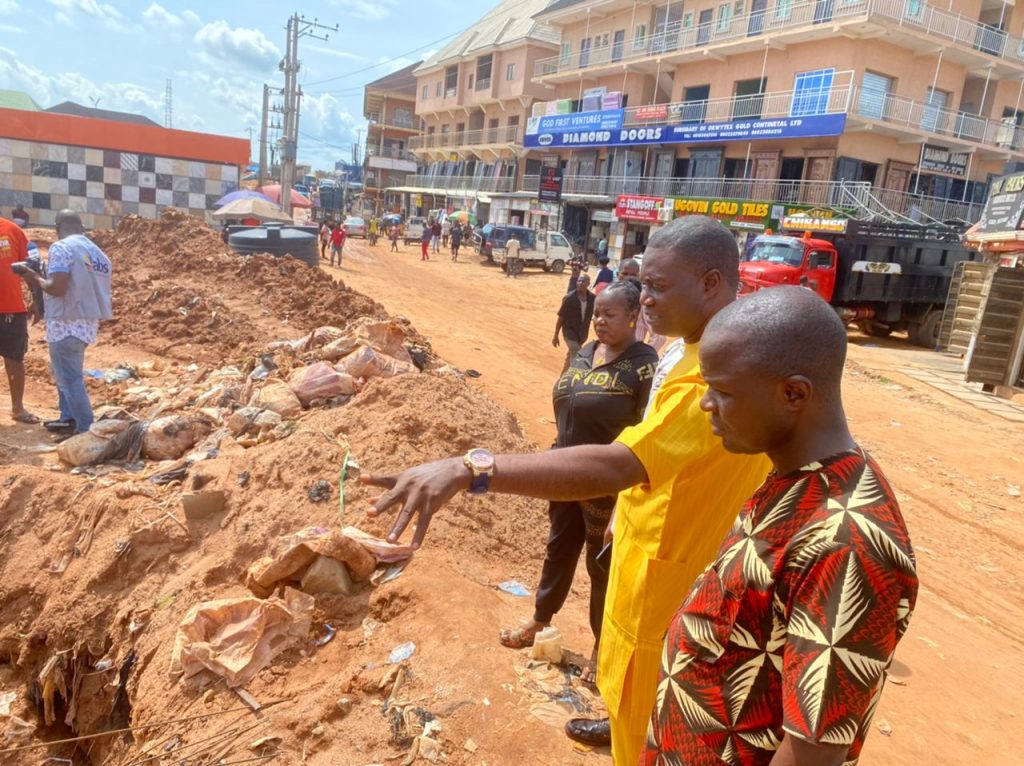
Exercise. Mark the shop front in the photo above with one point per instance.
(635, 216)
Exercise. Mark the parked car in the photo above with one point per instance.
(550, 250)
(496, 235)
(413, 230)
(355, 226)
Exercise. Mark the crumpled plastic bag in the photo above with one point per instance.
(278, 397)
(367, 362)
(321, 336)
(381, 550)
(387, 336)
(298, 551)
(168, 438)
(236, 638)
(320, 381)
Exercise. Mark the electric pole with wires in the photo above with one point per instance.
(297, 27)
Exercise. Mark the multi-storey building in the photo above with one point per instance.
(389, 106)
(747, 109)
(474, 97)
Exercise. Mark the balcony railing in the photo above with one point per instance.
(461, 183)
(509, 134)
(922, 208)
(781, 17)
(392, 152)
(401, 124)
(930, 118)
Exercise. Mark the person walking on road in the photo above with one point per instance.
(325, 239)
(456, 241)
(338, 243)
(513, 263)
(14, 314)
(574, 319)
(76, 300)
(435, 236)
(783, 644)
(394, 238)
(425, 238)
(446, 232)
(678, 486)
(604, 390)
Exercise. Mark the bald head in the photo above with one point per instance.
(704, 242)
(785, 331)
(68, 222)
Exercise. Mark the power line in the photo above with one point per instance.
(326, 143)
(388, 61)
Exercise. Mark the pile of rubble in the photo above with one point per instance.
(209, 541)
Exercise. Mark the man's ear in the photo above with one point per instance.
(797, 392)
(712, 280)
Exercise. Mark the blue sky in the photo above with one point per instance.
(218, 55)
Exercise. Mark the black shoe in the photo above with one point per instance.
(59, 425)
(590, 732)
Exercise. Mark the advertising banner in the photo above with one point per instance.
(550, 189)
(638, 208)
(605, 129)
(1005, 205)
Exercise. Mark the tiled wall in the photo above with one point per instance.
(105, 185)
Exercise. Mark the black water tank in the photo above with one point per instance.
(300, 242)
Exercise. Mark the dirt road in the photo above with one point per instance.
(957, 469)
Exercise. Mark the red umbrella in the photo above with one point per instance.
(273, 191)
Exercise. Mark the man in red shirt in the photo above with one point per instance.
(779, 653)
(14, 316)
(337, 242)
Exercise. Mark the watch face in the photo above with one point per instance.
(481, 459)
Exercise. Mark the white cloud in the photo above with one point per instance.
(333, 52)
(67, 10)
(368, 10)
(159, 17)
(393, 65)
(11, 29)
(250, 47)
(191, 17)
(8, 6)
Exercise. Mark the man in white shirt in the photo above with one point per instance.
(513, 264)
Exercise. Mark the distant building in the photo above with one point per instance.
(108, 164)
(389, 105)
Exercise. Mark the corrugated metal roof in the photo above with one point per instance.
(77, 110)
(402, 81)
(15, 99)
(559, 5)
(511, 21)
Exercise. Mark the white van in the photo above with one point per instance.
(552, 252)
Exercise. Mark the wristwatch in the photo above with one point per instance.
(480, 463)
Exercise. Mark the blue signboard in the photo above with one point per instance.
(594, 132)
(608, 119)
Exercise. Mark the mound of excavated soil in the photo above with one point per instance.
(97, 574)
(181, 292)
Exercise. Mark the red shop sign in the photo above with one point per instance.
(636, 208)
(652, 112)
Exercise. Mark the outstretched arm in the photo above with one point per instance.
(573, 473)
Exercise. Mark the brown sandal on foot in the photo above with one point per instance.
(518, 638)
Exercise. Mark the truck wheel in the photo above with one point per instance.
(557, 267)
(875, 329)
(926, 332)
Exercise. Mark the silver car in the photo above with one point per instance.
(355, 227)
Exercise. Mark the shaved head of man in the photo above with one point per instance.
(773, 362)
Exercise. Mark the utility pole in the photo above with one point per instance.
(168, 106)
(263, 134)
(297, 27)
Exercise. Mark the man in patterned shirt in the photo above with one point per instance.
(779, 653)
(77, 297)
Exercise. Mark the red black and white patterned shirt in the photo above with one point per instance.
(792, 628)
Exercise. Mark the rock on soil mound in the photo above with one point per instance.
(181, 292)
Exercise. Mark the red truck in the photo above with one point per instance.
(881, 276)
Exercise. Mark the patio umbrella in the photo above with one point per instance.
(240, 194)
(462, 216)
(253, 207)
(273, 191)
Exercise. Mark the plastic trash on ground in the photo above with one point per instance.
(367, 362)
(514, 588)
(278, 397)
(401, 653)
(300, 550)
(320, 381)
(382, 550)
(236, 638)
(168, 438)
(547, 645)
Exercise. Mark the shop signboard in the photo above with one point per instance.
(605, 128)
(939, 159)
(652, 112)
(822, 221)
(550, 189)
(635, 207)
(1005, 205)
(738, 214)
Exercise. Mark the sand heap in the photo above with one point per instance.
(97, 571)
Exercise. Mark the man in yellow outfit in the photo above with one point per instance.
(680, 489)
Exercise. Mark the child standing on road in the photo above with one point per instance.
(394, 238)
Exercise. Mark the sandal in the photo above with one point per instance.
(25, 417)
(518, 638)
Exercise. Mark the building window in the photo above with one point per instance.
(566, 52)
(688, 20)
(639, 37)
(437, 89)
(935, 117)
(451, 81)
(584, 52)
(403, 117)
(724, 17)
(874, 95)
(811, 92)
(469, 85)
(426, 92)
(483, 71)
(749, 98)
(783, 9)
(510, 72)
